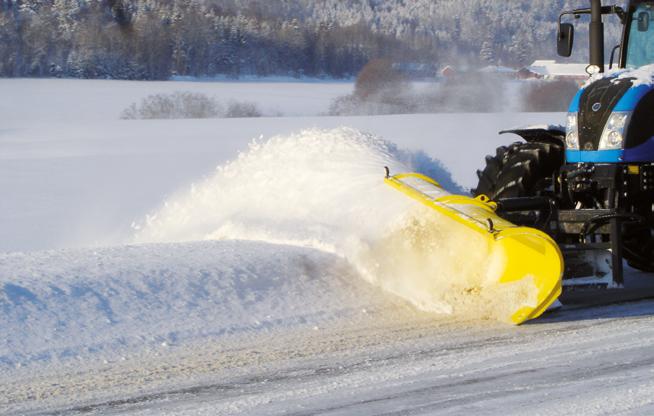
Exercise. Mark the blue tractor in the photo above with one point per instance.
(590, 185)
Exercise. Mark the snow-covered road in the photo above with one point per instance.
(389, 362)
(597, 361)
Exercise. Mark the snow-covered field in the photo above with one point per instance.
(72, 101)
(179, 267)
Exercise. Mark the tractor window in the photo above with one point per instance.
(641, 37)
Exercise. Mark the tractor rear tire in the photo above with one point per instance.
(521, 169)
(639, 250)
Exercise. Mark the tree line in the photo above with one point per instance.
(157, 39)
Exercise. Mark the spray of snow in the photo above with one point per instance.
(436, 264)
(315, 189)
(324, 190)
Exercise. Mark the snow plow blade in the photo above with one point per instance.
(519, 257)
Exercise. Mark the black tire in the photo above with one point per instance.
(639, 249)
(521, 169)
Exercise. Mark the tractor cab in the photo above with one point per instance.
(639, 36)
(637, 46)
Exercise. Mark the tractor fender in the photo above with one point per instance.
(551, 134)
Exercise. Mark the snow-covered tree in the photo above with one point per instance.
(158, 38)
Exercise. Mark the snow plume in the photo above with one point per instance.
(324, 190)
(312, 188)
(434, 263)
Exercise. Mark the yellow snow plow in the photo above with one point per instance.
(518, 256)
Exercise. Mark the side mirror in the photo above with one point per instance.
(565, 39)
(643, 22)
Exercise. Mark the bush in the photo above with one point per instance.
(351, 105)
(236, 109)
(174, 106)
(379, 89)
(472, 92)
(179, 105)
(378, 77)
(346, 105)
(469, 92)
(544, 96)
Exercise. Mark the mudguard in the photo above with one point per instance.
(549, 134)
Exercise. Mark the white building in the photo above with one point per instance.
(552, 70)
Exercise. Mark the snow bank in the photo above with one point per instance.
(60, 305)
(323, 189)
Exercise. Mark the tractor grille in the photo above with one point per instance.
(595, 107)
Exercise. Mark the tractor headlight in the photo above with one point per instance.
(615, 131)
(572, 132)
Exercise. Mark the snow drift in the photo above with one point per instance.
(324, 190)
(108, 303)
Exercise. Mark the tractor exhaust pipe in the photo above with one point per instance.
(596, 35)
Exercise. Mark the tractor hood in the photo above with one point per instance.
(624, 99)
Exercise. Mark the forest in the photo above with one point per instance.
(159, 39)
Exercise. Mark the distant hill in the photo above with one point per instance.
(155, 39)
